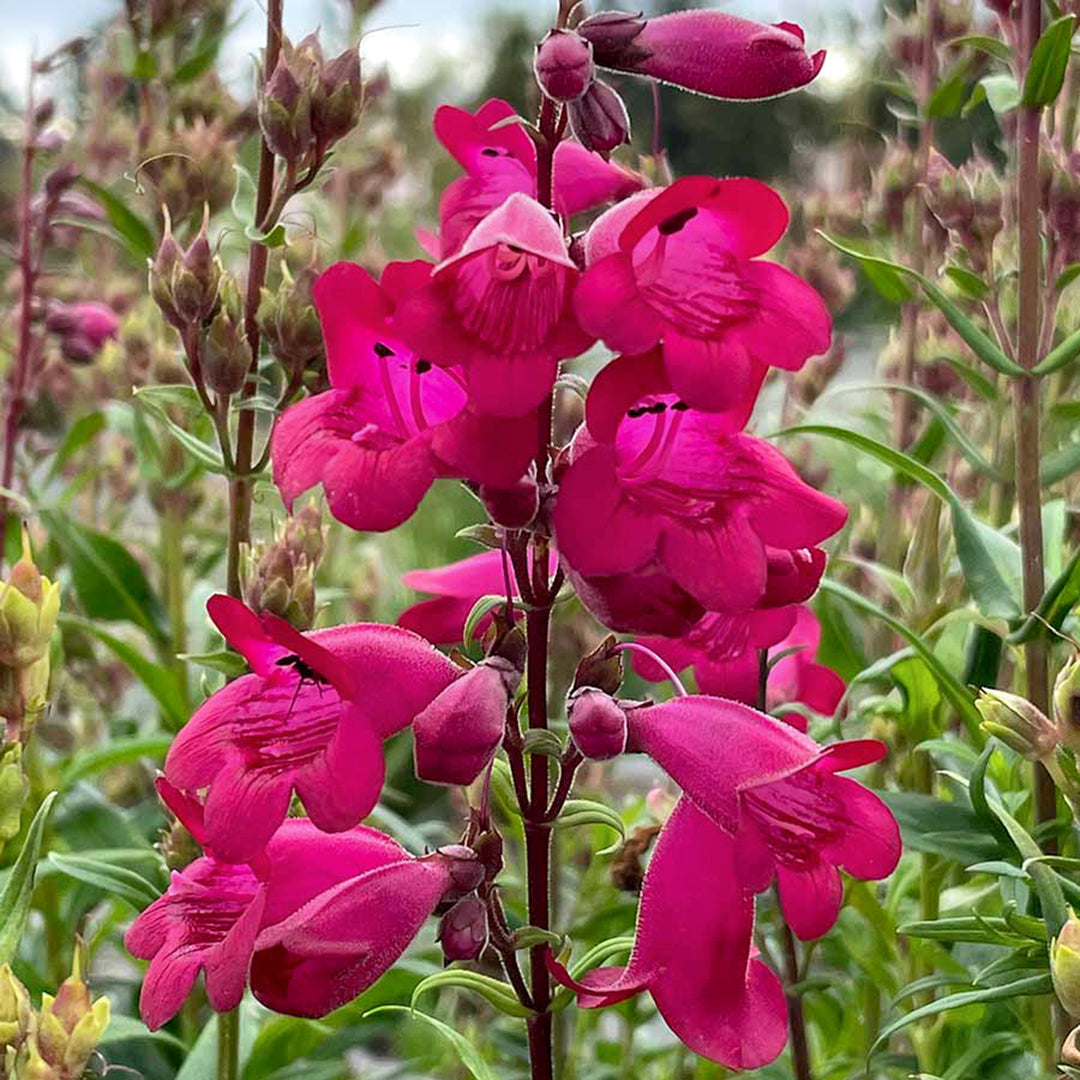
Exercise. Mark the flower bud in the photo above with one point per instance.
(29, 607)
(463, 931)
(1017, 723)
(285, 112)
(279, 576)
(489, 850)
(71, 1024)
(597, 724)
(60, 180)
(1065, 965)
(225, 356)
(162, 268)
(466, 870)
(514, 507)
(305, 535)
(335, 108)
(1067, 702)
(599, 118)
(564, 65)
(602, 668)
(16, 1015)
(14, 788)
(457, 735)
(947, 194)
(196, 278)
(611, 34)
(1070, 1049)
(288, 321)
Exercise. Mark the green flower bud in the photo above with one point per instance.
(71, 1024)
(225, 356)
(1065, 965)
(1067, 702)
(1017, 723)
(14, 787)
(32, 1066)
(16, 1016)
(279, 577)
(196, 278)
(335, 109)
(29, 607)
(304, 534)
(288, 321)
(285, 112)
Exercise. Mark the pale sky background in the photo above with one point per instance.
(419, 30)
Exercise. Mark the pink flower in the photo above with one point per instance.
(710, 52)
(772, 807)
(334, 947)
(211, 914)
(500, 310)
(501, 160)
(677, 514)
(309, 719)
(723, 651)
(677, 267)
(393, 423)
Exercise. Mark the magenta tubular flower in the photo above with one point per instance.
(779, 796)
(500, 310)
(677, 515)
(309, 719)
(499, 161)
(678, 267)
(694, 952)
(723, 651)
(392, 423)
(210, 916)
(709, 52)
(335, 946)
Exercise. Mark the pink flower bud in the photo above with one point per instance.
(597, 724)
(599, 118)
(463, 932)
(464, 870)
(564, 65)
(457, 735)
(512, 507)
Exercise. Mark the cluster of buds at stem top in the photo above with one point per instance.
(288, 321)
(1018, 724)
(279, 577)
(57, 1041)
(185, 284)
(966, 203)
(307, 102)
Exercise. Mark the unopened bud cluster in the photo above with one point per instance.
(288, 321)
(967, 203)
(1018, 723)
(185, 284)
(279, 577)
(57, 1041)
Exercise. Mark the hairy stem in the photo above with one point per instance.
(1026, 401)
(240, 484)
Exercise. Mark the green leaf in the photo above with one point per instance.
(201, 1062)
(1063, 353)
(959, 697)
(484, 606)
(132, 231)
(470, 1056)
(144, 66)
(969, 284)
(19, 886)
(282, 1040)
(932, 825)
(542, 741)
(1058, 600)
(225, 661)
(204, 453)
(1049, 59)
(985, 582)
(484, 535)
(1002, 92)
(114, 881)
(1029, 987)
(275, 238)
(160, 681)
(78, 435)
(1067, 276)
(110, 582)
(118, 752)
(243, 199)
(499, 995)
(129, 1028)
(989, 45)
(578, 812)
(974, 337)
(1059, 465)
(949, 95)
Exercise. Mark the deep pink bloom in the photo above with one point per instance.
(500, 309)
(309, 719)
(677, 515)
(392, 423)
(334, 947)
(501, 160)
(678, 266)
(723, 651)
(694, 950)
(210, 916)
(709, 52)
(778, 795)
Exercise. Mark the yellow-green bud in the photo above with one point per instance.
(1065, 965)
(16, 1016)
(71, 1024)
(32, 1066)
(1017, 723)
(1067, 702)
(14, 787)
(29, 606)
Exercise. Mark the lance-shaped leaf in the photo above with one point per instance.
(19, 887)
(1049, 59)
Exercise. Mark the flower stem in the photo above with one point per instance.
(240, 483)
(1026, 401)
(228, 1045)
(800, 1049)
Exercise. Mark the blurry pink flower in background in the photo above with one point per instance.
(82, 328)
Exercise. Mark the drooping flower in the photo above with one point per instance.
(393, 422)
(723, 651)
(709, 52)
(677, 514)
(500, 309)
(499, 159)
(309, 719)
(678, 267)
(794, 819)
(335, 946)
(211, 914)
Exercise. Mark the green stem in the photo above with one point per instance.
(228, 1045)
(172, 565)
